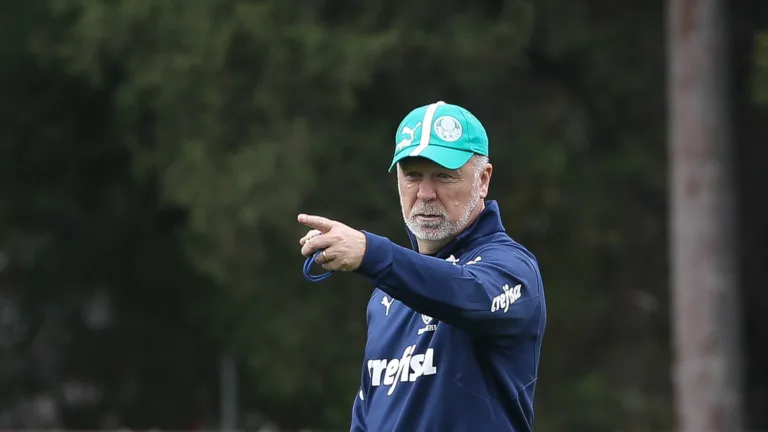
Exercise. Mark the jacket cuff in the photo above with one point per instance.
(377, 258)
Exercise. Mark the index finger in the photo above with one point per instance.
(317, 222)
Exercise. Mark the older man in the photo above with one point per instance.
(455, 325)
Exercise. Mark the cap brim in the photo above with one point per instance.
(446, 157)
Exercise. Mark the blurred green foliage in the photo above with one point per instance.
(760, 81)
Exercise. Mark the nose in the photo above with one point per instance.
(426, 190)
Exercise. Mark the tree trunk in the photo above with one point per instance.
(703, 246)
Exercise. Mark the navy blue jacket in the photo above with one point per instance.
(453, 339)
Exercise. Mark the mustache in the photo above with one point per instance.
(428, 209)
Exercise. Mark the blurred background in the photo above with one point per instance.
(154, 155)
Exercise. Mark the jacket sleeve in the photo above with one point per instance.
(358, 414)
(496, 294)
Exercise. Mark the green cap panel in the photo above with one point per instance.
(447, 134)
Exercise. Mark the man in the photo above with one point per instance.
(455, 325)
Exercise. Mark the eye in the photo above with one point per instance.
(444, 176)
(412, 174)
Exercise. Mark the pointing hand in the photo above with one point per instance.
(344, 247)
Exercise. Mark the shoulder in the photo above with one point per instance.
(501, 247)
(501, 252)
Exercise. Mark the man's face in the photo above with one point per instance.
(438, 203)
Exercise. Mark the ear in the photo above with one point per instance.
(485, 180)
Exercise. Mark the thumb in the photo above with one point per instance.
(317, 222)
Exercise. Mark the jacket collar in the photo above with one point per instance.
(487, 222)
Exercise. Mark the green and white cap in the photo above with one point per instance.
(446, 134)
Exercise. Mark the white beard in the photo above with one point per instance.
(443, 228)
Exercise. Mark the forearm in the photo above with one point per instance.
(466, 296)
